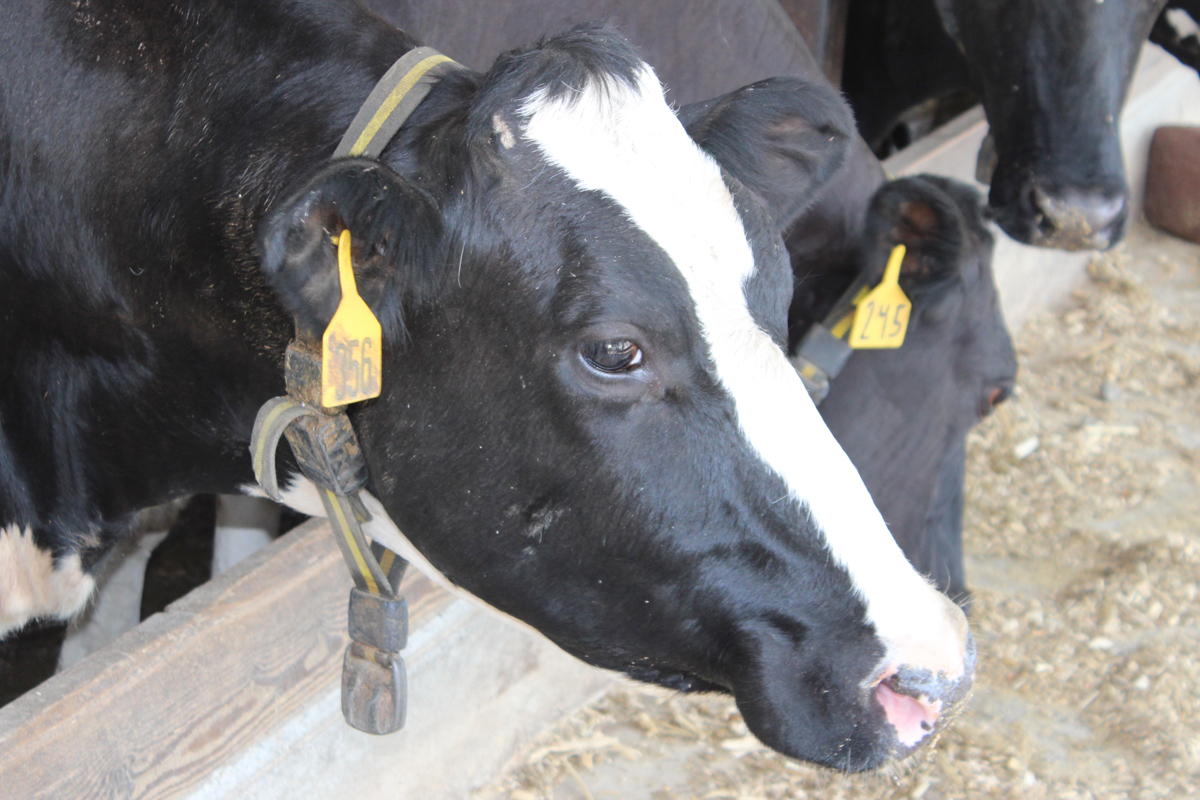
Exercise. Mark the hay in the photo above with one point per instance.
(1083, 541)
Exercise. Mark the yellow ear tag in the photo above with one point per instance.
(881, 318)
(351, 344)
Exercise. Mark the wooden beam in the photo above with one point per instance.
(190, 687)
(189, 702)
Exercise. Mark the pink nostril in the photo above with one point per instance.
(994, 396)
(913, 718)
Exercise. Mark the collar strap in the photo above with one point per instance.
(394, 98)
(824, 350)
(374, 688)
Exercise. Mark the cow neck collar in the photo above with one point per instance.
(823, 351)
(374, 693)
(392, 101)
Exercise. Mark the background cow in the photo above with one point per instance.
(1052, 76)
(903, 415)
(588, 420)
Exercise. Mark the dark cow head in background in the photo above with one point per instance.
(1052, 75)
(902, 415)
(591, 421)
(916, 404)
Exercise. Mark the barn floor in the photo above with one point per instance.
(1083, 541)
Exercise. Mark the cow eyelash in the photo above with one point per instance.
(612, 355)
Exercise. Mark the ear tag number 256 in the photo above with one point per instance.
(351, 345)
(881, 317)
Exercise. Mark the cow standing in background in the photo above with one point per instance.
(1052, 76)
(1177, 30)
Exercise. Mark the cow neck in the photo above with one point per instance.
(374, 693)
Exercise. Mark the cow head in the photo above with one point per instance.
(903, 415)
(1054, 75)
(588, 419)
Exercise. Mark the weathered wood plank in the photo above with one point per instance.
(192, 687)
(234, 692)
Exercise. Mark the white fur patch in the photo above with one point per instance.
(30, 584)
(503, 131)
(628, 144)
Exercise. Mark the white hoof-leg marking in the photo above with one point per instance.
(32, 585)
(118, 606)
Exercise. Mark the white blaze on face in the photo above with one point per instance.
(628, 144)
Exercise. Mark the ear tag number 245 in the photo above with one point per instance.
(881, 316)
(351, 345)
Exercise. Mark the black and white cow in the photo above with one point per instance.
(1052, 75)
(588, 419)
(936, 385)
(1177, 30)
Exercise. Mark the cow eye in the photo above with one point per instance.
(612, 355)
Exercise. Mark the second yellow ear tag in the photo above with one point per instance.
(350, 348)
(881, 317)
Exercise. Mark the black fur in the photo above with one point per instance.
(397, 244)
(164, 215)
(903, 415)
(781, 137)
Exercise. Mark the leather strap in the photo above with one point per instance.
(394, 98)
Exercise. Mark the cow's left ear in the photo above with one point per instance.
(396, 234)
(782, 138)
(938, 220)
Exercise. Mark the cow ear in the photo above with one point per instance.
(396, 238)
(782, 138)
(939, 221)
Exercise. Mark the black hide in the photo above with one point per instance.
(903, 415)
(168, 206)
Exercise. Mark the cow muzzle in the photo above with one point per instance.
(1078, 219)
(918, 703)
(926, 674)
(1067, 218)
